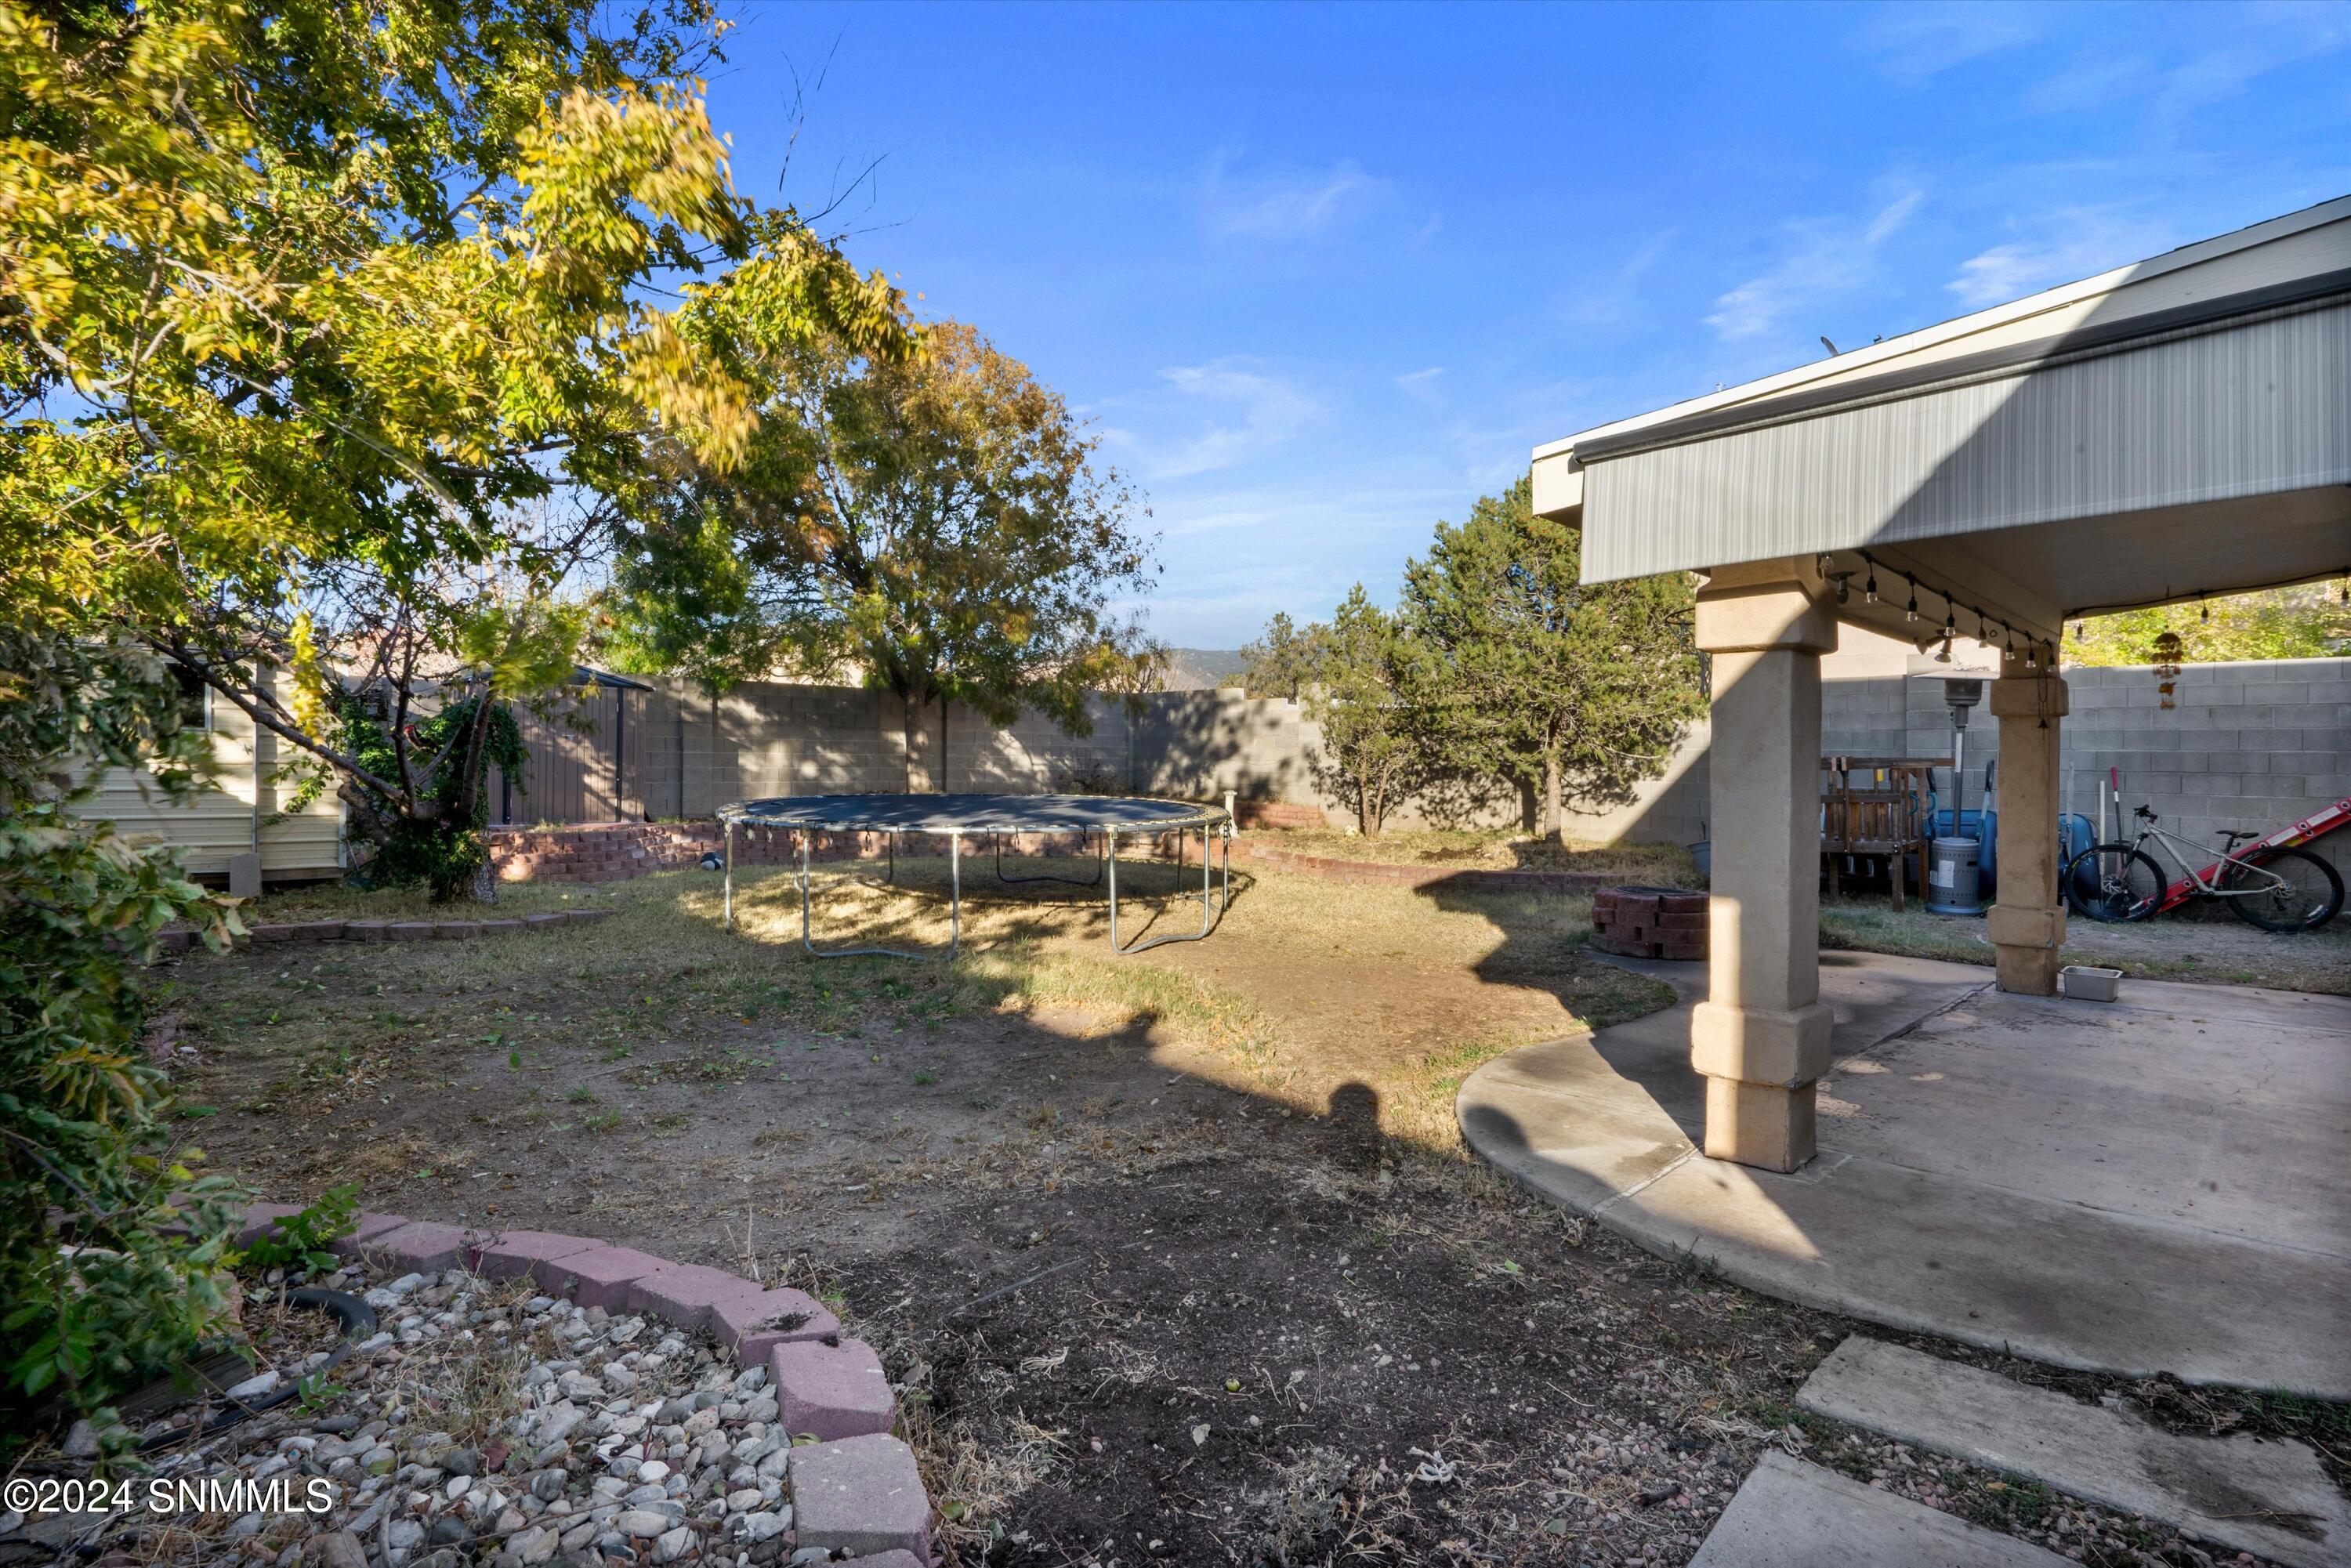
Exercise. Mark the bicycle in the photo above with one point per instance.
(2288, 889)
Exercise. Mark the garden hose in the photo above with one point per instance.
(358, 1323)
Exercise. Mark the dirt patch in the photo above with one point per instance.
(1087, 1205)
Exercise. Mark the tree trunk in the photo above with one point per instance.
(1554, 819)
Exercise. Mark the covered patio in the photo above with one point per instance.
(2172, 429)
(2169, 430)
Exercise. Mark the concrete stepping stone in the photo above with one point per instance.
(2268, 1497)
(1790, 1514)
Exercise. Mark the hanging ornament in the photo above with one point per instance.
(2167, 665)
(1913, 613)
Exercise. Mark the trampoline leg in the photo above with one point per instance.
(1209, 905)
(727, 921)
(955, 908)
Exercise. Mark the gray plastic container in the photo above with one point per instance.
(1951, 878)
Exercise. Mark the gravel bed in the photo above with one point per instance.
(481, 1424)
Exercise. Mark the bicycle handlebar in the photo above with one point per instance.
(2143, 812)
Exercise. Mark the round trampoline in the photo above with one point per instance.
(1099, 818)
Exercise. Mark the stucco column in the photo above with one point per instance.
(2027, 926)
(1761, 1037)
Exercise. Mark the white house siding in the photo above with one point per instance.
(217, 821)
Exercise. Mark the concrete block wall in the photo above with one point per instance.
(2246, 744)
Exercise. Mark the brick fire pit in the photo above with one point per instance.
(1649, 922)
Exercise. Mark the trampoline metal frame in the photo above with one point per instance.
(1215, 895)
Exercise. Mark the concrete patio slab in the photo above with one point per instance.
(2270, 1499)
(1790, 1514)
(2150, 1185)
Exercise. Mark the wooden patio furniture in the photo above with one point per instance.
(1875, 806)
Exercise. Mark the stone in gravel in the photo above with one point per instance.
(653, 1472)
(401, 1535)
(673, 1545)
(642, 1523)
(535, 1546)
(547, 1485)
(450, 1531)
(461, 1462)
(336, 1426)
(339, 1549)
(759, 1526)
(884, 1560)
(743, 1500)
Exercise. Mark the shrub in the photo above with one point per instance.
(111, 1245)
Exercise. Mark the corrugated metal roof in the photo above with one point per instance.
(2251, 406)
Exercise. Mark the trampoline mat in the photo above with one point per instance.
(981, 813)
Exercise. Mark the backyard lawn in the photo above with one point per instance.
(1177, 1257)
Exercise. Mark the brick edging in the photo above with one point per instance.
(856, 1489)
(177, 940)
(1331, 868)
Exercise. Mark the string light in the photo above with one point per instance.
(1869, 589)
(2205, 617)
(2031, 654)
(1914, 597)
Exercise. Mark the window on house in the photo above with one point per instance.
(195, 698)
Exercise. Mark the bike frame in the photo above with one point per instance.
(2205, 883)
(2318, 824)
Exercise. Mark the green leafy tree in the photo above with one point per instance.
(2311, 621)
(310, 310)
(936, 526)
(1373, 753)
(1522, 671)
(1283, 660)
(103, 1281)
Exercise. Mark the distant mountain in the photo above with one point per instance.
(1199, 669)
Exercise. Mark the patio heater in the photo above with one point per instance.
(1952, 870)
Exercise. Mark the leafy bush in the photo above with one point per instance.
(301, 1240)
(111, 1246)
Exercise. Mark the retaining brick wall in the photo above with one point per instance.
(855, 1488)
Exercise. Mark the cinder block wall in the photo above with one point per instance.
(2247, 745)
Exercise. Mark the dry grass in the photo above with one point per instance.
(1483, 849)
(2214, 951)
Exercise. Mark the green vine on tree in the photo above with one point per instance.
(444, 852)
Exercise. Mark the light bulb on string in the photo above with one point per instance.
(1913, 612)
(1869, 589)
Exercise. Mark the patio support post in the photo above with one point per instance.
(2027, 926)
(1761, 1037)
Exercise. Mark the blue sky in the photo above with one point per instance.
(1321, 275)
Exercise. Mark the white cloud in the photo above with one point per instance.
(1270, 409)
(1826, 259)
(1915, 43)
(1286, 204)
(2081, 243)
(1421, 384)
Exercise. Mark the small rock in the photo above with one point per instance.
(462, 1462)
(547, 1485)
(743, 1500)
(535, 1546)
(450, 1531)
(642, 1523)
(340, 1549)
(673, 1544)
(253, 1387)
(759, 1526)
(402, 1535)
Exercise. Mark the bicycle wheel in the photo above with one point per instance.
(2297, 890)
(2113, 882)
